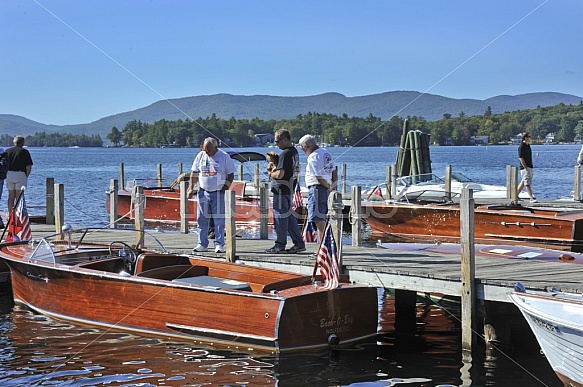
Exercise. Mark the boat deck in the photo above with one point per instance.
(421, 271)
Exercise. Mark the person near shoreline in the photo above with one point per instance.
(214, 170)
(321, 178)
(283, 180)
(19, 168)
(526, 167)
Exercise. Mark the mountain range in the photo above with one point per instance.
(384, 105)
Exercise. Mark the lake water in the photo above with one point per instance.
(35, 350)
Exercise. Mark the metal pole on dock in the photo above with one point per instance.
(113, 215)
(184, 215)
(468, 268)
(59, 207)
(356, 214)
(50, 201)
(577, 188)
(230, 227)
(263, 210)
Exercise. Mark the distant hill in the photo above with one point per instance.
(384, 105)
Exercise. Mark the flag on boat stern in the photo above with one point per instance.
(310, 234)
(19, 223)
(328, 260)
(298, 199)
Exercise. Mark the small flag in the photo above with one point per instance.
(310, 234)
(375, 191)
(328, 260)
(19, 224)
(298, 201)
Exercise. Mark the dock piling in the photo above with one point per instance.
(113, 206)
(468, 263)
(263, 210)
(230, 227)
(50, 201)
(355, 215)
(184, 215)
(59, 207)
(577, 188)
(139, 200)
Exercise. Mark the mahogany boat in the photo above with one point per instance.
(162, 204)
(80, 276)
(493, 224)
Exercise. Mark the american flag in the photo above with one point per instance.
(328, 260)
(310, 233)
(19, 229)
(298, 199)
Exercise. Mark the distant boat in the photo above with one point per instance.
(556, 319)
(74, 146)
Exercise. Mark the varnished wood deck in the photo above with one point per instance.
(415, 271)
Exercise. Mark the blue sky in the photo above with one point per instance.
(73, 61)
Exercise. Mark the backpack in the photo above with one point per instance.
(3, 165)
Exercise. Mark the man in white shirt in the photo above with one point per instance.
(321, 177)
(214, 171)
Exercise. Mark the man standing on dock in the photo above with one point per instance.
(525, 158)
(284, 178)
(321, 177)
(214, 170)
(19, 168)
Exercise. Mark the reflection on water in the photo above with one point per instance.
(36, 350)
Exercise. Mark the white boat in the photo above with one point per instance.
(430, 184)
(556, 319)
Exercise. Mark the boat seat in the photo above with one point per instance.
(214, 283)
(148, 261)
(239, 187)
(174, 271)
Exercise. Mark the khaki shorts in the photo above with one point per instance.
(527, 176)
(15, 180)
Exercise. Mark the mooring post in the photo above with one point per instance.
(336, 221)
(343, 179)
(393, 182)
(139, 204)
(179, 169)
(122, 184)
(50, 201)
(355, 212)
(159, 175)
(59, 207)
(184, 215)
(514, 185)
(448, 181)
(577, 188)
(263, 210)
(230, 227)
(256, 177)
(240, 172)
(468, 268)
(113, 215)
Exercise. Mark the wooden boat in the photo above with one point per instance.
(556, 319)
(493, 224)
(80, 276)
(162, 204)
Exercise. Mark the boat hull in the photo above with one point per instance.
(273, 311)
(163, 205)
(557, 323)
(492, 224)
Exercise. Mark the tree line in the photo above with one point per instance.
(565, 121)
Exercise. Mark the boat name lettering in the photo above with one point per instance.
(546, 325)
(346, 320)
(37, 276)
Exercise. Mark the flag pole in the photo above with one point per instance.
(12, 215)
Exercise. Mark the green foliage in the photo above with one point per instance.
(44, 139)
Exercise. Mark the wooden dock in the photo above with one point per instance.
(416, 271)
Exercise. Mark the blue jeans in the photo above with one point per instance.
(210, 204)
(285, 221)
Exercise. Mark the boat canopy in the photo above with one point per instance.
(244, 157)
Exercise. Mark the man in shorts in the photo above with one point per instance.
(525, 158)
(19, 168)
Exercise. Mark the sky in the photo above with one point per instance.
(74, 62)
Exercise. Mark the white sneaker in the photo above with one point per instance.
(533, 200)
(199, 249)
(219, 249)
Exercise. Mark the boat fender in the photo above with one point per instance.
(333, 340)
(566, 257)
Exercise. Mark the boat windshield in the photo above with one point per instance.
(426, 178)
(72, 238)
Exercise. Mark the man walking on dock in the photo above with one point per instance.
(525, 158)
